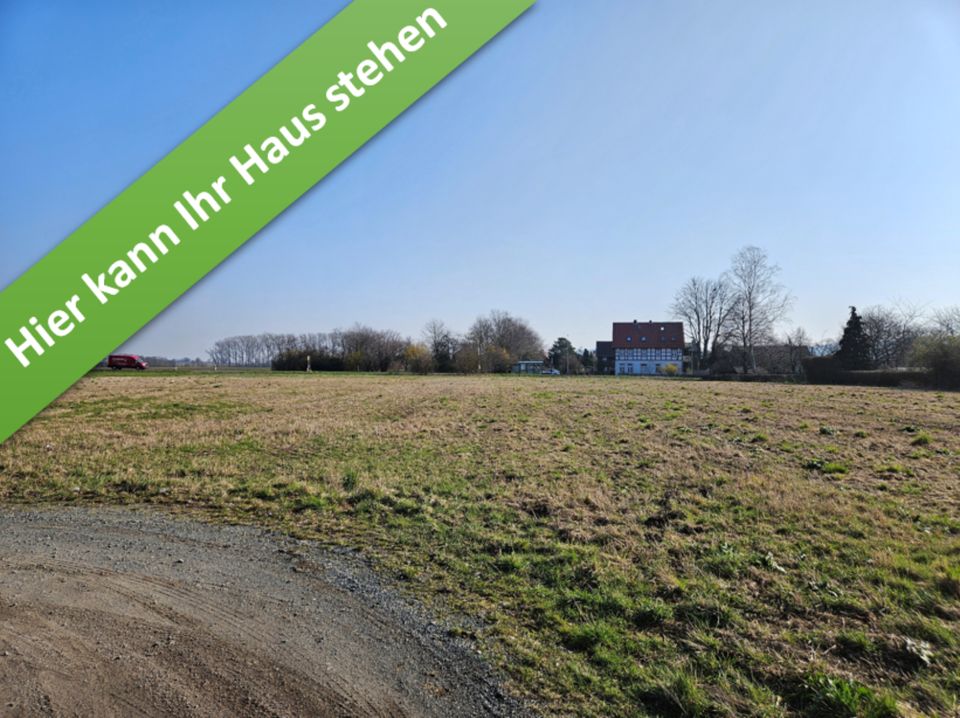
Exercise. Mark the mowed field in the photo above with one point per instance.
(616, 547)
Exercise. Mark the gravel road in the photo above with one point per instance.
(113, 612)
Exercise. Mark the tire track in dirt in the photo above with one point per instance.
(113, 612)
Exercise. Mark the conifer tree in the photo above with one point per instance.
(854, 344)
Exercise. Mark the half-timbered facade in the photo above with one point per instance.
(647, 347)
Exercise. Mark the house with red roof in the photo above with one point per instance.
(647, 347)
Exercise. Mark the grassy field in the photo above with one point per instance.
(629, 547)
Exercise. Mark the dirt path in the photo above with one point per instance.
(112, 612)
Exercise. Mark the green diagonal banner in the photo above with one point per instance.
(224, 184)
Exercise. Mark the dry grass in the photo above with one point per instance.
(662, 547)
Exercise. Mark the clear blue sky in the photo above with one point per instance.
(574, 173)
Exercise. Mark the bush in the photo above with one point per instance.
(296, 360)
(669, 370)
(941, 357)
(497, 360)
(417, 359)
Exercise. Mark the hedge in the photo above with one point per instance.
(827, 370)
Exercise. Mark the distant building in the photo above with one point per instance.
(528, 367)
(605, 357)
(646, 347)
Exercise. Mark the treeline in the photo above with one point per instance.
(253, 350)
(733, 323)
(881, 345)
(493, 343)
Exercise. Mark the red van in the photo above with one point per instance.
(126, 361)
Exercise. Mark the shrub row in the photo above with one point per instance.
(827, 370)
(296, 360)
(941, 355)
(759, 378)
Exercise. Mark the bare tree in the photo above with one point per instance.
(441, 342)
(501, 339)
(480, 335)
(704, 305)
(760, 301)
(798, 349)
(891, 333)
(390, 346)
(947, 321)
(217, 353)
(250, 350)
(367, 349)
